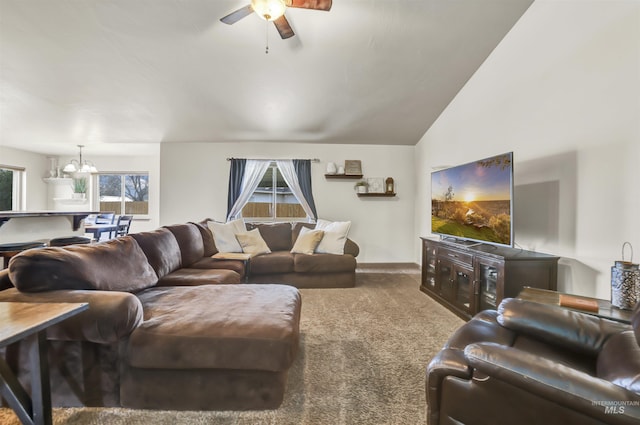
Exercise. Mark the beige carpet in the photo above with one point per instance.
(362, 361)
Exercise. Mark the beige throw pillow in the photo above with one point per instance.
(307, 241)
(224, 234)
(252, 243)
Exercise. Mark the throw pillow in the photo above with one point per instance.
(224, 234)
(335, 236)
(307, 241)
(252, 243)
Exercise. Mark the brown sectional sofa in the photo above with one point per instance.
(168, 327)
(301, 270)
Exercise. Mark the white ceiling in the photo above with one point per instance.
(116, 75)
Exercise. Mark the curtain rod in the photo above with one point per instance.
(276, 159)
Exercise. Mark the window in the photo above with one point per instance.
(10, 188)
(273, 198)
(124, 193)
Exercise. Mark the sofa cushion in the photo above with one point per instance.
(115, 265)
(224, 234)
(208, 243)
(276, 262)
(262, 333)
(161, 249)
(190, 242)
(276, 235)
(307, 241)
(192, 277)
(323, 263)
(215, 263)
(252, 243)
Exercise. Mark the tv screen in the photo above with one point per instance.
(474, 201)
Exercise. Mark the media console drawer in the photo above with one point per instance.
(457, 256)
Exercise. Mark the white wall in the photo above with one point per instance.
(562, 91)
(195, 181)
(36, 167)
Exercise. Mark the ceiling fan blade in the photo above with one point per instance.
(310, 4)
(283, 27)
(234, 17)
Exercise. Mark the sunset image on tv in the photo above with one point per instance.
(473, 201)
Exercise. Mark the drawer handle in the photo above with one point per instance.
(452, 255)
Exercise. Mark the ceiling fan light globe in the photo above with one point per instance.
(269, 10)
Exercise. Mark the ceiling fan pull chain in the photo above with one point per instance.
(266, 52)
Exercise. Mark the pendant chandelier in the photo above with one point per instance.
(80, 166)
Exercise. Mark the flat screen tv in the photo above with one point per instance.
(474, 201)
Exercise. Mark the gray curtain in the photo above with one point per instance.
(236, 174)
(303, 170)
(254, 169)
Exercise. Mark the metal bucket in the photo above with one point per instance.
(625, 282)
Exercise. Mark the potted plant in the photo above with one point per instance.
(362, 186)
(79, 188)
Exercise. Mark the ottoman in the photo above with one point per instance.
(211, 347)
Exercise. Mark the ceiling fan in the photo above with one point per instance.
(273, 10)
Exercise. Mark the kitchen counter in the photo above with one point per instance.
(24, 226)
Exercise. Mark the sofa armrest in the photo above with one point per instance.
(110, 317)
(448, 362)
(351, 248)
(555, 325)
(559, 383)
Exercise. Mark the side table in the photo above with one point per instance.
(240, 256)
(19, 321)
(605, 309)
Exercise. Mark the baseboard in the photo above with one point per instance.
(411, 266)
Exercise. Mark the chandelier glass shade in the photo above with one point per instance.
(269, 10)
(80, 166)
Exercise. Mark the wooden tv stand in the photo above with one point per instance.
(468, 278)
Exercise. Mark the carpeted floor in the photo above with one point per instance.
(362, 361)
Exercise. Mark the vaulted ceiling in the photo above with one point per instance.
(122, 73)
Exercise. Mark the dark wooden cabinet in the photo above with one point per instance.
(469, 279)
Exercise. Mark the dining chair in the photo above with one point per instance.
(106, 217)
(124, 223)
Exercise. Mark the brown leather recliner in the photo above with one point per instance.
(530, 363)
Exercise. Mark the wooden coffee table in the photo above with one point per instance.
(20, 321)
(604, 310)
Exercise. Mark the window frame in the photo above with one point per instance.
(18, 198)
(274, 198)
(123, 175)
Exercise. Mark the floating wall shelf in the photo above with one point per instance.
(343, 176)
(371, 195)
